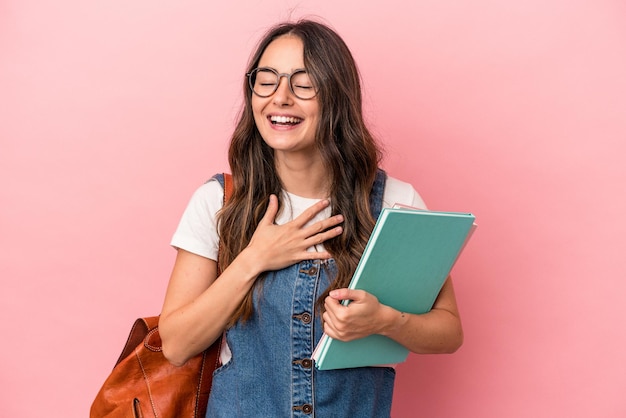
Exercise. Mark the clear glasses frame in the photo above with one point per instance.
(301, 92)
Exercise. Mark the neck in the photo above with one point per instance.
(304, 177)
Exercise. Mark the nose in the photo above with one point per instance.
(283, 95)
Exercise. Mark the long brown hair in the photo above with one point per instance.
(348, 149)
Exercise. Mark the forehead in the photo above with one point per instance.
(284, 54)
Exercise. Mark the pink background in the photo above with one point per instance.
(112, 113)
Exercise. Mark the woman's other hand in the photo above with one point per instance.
(363, 316)
(278, 246)
(436, 331)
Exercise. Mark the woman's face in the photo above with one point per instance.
(286, 123)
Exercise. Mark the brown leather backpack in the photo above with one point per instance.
(144, 383)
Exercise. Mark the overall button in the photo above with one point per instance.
(306, 408)
(311, 270)
(307, 363)
(304, 317)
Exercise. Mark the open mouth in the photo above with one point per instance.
(284, 120)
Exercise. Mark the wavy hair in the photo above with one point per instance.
(349, 152)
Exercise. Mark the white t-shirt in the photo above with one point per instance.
(197, 232)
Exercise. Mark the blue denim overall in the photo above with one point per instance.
(271, 373)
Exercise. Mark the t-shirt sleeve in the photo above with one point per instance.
(397, 191)
(197, 229)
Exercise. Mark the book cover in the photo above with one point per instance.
(405, 263)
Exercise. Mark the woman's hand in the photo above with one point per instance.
(436, 331)
(278, 246)
(363, 316)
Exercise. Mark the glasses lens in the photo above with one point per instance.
(302, 86)
(263, 81)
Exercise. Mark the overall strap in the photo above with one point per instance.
(376, 195)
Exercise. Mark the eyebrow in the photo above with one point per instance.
(265, 67)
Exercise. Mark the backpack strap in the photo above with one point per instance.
(226, 181)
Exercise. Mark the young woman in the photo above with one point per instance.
(307, 189)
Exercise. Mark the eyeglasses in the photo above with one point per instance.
(264, 82)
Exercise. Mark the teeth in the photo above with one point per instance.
(285, 119)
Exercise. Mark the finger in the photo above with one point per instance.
(347, 294)
(330, 303)
(329, 327)
(315, 255)
(322, 237)
(333, 308)
(310, 212)
(271, 211)
(323, 225)
(334, 328)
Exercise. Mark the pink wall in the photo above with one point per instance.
(111, 113)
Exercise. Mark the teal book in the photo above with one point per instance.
(405, 263)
